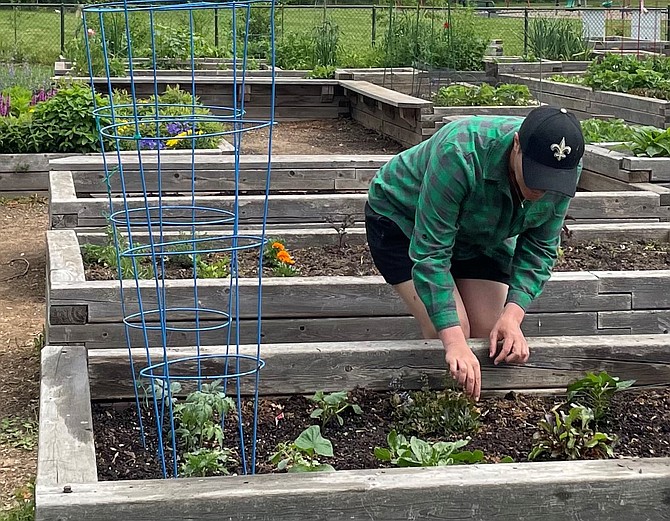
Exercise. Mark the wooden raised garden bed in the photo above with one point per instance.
(67, 487)
(606, 169)
(348, 176)
(331, 308)
(587, 103)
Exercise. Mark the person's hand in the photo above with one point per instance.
(464, 368)
(507, 329)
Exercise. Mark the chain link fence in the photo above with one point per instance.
(364, 35)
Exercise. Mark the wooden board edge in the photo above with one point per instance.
(621, 489)
(65, 420)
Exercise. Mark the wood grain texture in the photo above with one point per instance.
(113, 335)
(302, 367)
(64, 259)
(649, 289)
(66, 453)
(386, 96)
(554, 491)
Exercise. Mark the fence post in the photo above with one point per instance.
(374, 23)
(667, 25)
(62, 28)
(216, 28)
(525, 32)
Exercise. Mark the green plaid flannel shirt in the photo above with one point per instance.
(452, 197)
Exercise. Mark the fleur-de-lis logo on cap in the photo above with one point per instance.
(561, 150)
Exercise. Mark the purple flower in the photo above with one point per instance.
(174, 128)
(152, 144)
(42, 95)
(4, 106)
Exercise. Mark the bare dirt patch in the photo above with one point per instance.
(22, 298)
(330, 136)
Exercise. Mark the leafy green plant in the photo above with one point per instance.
(573, 79)
(570, 435)
(326, 43)
(557, 39)
(217, 269)
(435, 413)
(206, 462)
(595, 391)
(483, 95)
(603, 131)
(321, 71)
(18, 432)
(279, 259)
(106, 255)
(331, 406)
(419, 453)
(302, 454)
(295, 51)
(649, 142)
(160, 389)
(199, 416)
(627, 73)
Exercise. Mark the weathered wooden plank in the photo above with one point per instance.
(649, 321)
(659, 231)
(302, 367)
(600, 205)
(295, 179)
(658, 166)
(387, 96)
(640, 117)
(224, 162)
(554, 491)
(66, 454)
(649, 289)
(661, 190)
(595, 182)
(610, 163)
(404, 136)
(64, 260)
(112, 335)
(32, 182)
(623, 100)
(309, 296)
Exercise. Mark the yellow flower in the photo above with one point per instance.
(278, 246)
(285, 257)
(175, 140)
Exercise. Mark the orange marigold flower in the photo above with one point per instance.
(278, 246)
(285, 257)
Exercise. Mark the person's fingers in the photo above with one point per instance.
(478, 381)
(453, 368)
(470, 383)
(493, 342)
(506, 347)
(462, 373)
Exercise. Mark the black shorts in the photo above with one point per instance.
(389, 247)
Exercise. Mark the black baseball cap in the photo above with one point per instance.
(552, 144)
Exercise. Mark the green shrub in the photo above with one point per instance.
(65, 122)
(295, 51)
(425, 39)
(483, 95)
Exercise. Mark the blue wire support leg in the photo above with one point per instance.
(139, 132)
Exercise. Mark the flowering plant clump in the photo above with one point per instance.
(171, 124)
(279, 259)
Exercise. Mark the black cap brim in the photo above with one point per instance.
(537, 176)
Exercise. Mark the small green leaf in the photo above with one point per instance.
(311, 439)
(382, 454)
(316, 413)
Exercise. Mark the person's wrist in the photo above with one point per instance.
(514, 312)
(452, 337)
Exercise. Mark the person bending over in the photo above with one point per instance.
(466, 226)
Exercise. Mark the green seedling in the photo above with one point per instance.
(419, 453)
(302, 454)
(331, 406)
(595, 391)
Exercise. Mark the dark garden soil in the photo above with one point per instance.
(640, 419)
(356, 260)
(319, 137)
